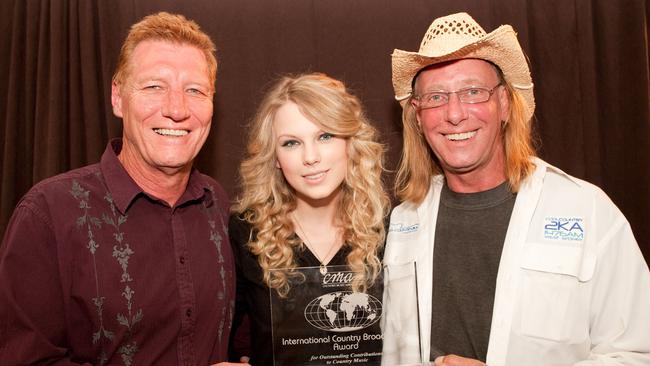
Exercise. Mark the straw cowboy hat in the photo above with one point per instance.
(458, 36)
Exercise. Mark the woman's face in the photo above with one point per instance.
(313, 162)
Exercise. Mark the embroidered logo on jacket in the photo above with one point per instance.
(401, 228)
(564, 228)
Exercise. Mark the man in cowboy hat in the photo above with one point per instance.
(518, 263)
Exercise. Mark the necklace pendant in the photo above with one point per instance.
(323, 269)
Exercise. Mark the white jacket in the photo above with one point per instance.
(572, 286)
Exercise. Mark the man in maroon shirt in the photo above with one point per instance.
(127, 262)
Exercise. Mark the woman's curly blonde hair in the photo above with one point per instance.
(267, 199)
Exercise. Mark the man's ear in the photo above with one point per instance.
(116, 99)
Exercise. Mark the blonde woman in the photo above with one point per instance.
(311, 196)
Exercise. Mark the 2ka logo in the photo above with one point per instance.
(564, 229)
(563, 225)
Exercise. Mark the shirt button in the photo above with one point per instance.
(188, 312)
(182, 260)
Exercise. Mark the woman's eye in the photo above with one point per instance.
(289, 143)
(326, 136)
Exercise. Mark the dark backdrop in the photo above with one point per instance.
(589, 60)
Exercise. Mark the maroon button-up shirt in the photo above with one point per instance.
(95, 271)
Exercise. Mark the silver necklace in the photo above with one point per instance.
(323, 267)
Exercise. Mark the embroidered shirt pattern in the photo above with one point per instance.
(122, 252)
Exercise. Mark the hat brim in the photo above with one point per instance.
(499, 47)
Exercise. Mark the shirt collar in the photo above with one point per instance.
(120, 185)
(123, 188)
(197, 186)
(542, 167)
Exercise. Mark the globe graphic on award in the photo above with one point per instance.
(343, 311)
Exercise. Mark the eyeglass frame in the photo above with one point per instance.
(416, 98)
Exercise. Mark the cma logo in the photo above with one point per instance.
(337, 279)
(564, 229)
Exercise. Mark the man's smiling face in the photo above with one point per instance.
(466, 138)
(166, 106)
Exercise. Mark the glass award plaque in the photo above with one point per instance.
(401, 320)
(323, 322)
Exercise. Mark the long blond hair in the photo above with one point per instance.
(267, 199)
(418, 163)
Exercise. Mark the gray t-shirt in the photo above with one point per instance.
(470, 231)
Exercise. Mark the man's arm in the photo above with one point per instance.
(32, 314)
(620, 320)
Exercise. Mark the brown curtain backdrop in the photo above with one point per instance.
(589, 60)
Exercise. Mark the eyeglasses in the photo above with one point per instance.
(470, 95)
